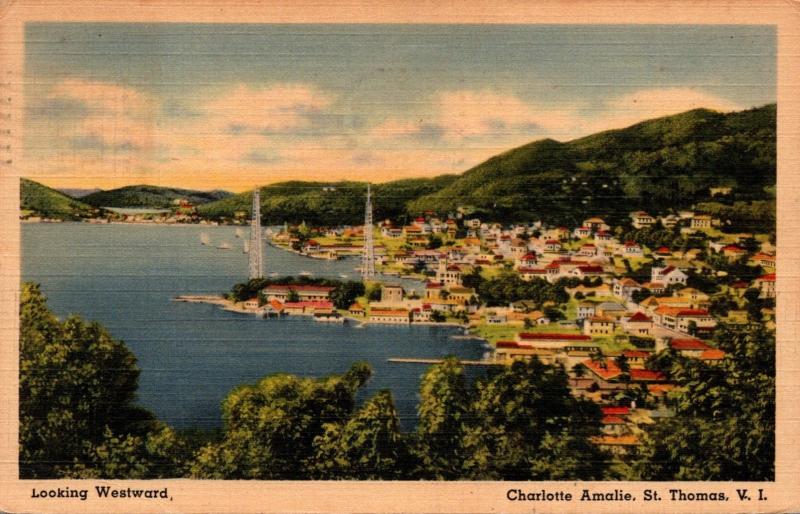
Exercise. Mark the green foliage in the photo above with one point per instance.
(346, 293)
(724, 428)
(154, 197)
(508, 287)
(49, 203)
(368, 446)
(326, 203)
(77, 408)
(527, 426)
(270, 427)
(444, 409)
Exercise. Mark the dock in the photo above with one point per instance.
(405, 360)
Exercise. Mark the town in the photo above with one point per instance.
(603, 301)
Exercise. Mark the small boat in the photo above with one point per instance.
(273, 274)
(239, 233)
(224, 246)
(246, 247)
(305, 273)
(204, 239)
(343, 275)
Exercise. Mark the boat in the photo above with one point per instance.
(224, 246)
(246, 247)
(273, 274)
(204, 239)
(305, 273)
(343, 275)
(239, 233)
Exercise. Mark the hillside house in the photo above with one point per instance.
(585, 310)
(641, 219)
(701, 221)
(766, 285)
(595, 224)
(624, 288)
(668, 275)
(639, 324)
(598, 326)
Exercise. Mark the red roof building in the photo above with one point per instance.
(615, 411)
(688, 344)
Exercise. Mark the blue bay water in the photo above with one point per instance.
(192, 355)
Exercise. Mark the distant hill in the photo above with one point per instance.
(657, 165)
(46, 202)
(327, 203)
(77, 192)
(150, 197)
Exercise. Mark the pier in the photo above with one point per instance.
(405, 360)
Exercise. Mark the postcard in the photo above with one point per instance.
(406, 257)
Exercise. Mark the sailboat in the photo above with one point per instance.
(204, 239)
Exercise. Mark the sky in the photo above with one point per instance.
(233, 106)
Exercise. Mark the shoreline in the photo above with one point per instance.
(230, 306)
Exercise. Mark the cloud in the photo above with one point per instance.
(111, 116)
(631, 108)
(274, 109)
(290, 131)
(460, 115)
(485, 113)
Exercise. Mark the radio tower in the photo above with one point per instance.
(368, 260)
(256, 248)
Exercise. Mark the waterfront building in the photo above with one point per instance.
(305, 292)
(391, 294)
(389, 316)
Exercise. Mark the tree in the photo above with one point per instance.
(77, 410)
(270, 427)
(640, 295)
(369, 446)
(292, 296)
(438, 316)
(527, 426)
(724, 427)
(443, 411)
(345, 294)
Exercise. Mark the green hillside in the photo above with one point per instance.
(39, 200)
(150, 197)
(327, 203)
(656, 165)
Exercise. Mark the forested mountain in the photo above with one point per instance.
(40, 200)
(327, 203)
(150, 197)
(656, 165)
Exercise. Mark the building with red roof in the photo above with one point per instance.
(646, 375)
(606, 370)
(305, 292)
(766, 285)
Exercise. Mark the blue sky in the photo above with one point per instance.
(238, 105)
